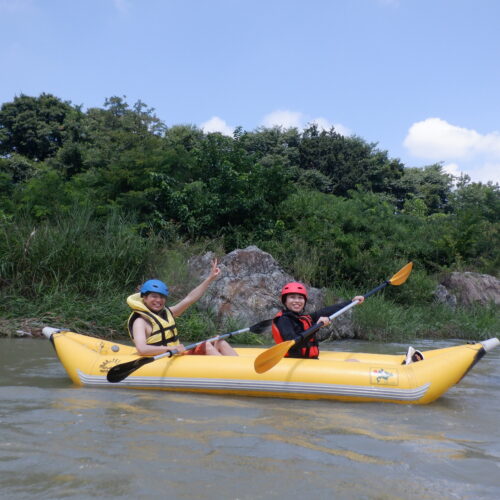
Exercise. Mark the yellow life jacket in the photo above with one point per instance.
(164, 331)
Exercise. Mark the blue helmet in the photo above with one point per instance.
(155, 286)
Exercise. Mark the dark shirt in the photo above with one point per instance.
(291, 327)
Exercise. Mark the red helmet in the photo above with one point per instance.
(293, 287)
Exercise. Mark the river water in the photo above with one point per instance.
(61, 441)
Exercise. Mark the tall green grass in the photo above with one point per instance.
(76, 272)
(73, 271)
(76, 252)
(381, 319)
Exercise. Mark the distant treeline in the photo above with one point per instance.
(331, 209)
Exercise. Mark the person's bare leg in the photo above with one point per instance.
(211, 350)
(224, 348)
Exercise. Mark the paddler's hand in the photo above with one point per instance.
(179, 349)
(325, 320)
(214, 271)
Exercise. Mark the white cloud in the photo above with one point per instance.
(436, 139)
(486, 172)
(295, 119)
(278, 118)
(281, 118)
(490, 143)
(452, 168)
(324, 124)
(216, 124)
(460, 148)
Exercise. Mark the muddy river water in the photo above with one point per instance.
(61, 441)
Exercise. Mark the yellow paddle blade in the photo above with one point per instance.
(270, 357)
(402, 275)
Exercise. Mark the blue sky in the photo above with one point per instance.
(419, 77)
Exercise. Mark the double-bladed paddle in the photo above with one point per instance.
(120, 372)
(270, 357)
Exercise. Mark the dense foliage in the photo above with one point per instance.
(333, 210)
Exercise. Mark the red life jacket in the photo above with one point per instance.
(301, 322)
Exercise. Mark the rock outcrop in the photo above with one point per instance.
(249, 286)
(468, 288)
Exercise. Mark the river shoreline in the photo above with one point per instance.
(31, 328)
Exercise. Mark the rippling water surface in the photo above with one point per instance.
(60, 441)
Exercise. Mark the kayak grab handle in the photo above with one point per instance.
(48, 331)
(490, 344)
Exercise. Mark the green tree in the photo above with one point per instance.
(119, 128)
(483, 199)
(349, 162)
(429, 184)
(18, 168)
(230, 195)
(272, 145)
(33, 126)
(471, 237)
(43, 196)
(353, 239)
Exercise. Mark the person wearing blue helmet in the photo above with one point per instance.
(151, 324)
(154, 286)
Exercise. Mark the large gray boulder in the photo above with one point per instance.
(468, 288)
(249, 286)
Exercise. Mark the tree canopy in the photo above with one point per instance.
(311, 196)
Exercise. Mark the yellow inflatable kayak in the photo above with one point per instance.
(336, 375)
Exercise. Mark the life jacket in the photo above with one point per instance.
(301, 322)
(164, 331)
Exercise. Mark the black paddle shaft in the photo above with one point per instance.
(376, 289)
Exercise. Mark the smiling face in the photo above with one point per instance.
(295, 302)
(154, 301)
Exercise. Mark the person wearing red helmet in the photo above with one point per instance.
(151, 324)
(290, 322)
